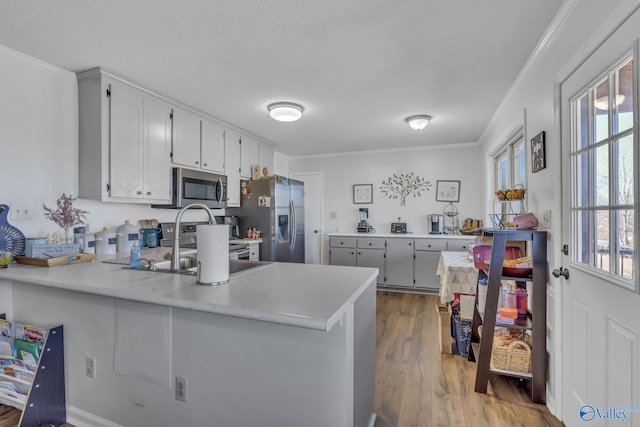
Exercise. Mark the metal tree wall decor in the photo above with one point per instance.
(403, 185)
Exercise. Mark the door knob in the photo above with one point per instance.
(561, 272)
(316, 231)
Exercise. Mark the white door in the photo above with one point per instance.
(313, 194)
(600, 301)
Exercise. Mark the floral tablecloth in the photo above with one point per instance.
(457, 275)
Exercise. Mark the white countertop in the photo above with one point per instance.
(245, 240)
(304, 295)
(405, 235)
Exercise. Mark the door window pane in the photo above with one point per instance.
(623, 108)
(581, 169)
(581, 222)
(582, 122)
(626, 245)
(601, 225)
(623, 156)
(601, 160)
(601, 111)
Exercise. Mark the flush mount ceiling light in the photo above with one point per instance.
(418, 122)
(285, 111)
(603, 102)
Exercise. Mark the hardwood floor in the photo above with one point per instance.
(417, 386)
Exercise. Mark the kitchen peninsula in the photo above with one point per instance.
(278, 345)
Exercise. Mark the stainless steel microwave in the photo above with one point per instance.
(191, 186)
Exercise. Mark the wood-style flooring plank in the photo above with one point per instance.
(417, 386)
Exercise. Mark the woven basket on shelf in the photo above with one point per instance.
(513, 356)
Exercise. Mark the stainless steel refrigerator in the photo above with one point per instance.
(275, 206)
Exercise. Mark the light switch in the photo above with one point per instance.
(546, 219)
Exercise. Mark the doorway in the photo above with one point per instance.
(599, 286)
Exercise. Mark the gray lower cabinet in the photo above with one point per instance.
(425, 268)
(400, 262)
(372, 258)
(343, 256)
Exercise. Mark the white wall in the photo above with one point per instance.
(39, 147)
(341, 172)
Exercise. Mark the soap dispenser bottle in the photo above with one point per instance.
(134, 258)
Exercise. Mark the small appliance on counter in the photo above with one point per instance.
(363, 225)
(435, 223)
(398, 227)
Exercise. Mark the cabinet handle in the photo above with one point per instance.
(197, 163)
(409, 244)
(369, 244)
(359, 253)
(148, 193)
(342, 243)
(205, 164)
(139, 193)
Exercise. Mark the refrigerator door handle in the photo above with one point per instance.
(292, 225)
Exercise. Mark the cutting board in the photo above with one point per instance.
(54, 262)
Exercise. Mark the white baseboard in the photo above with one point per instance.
(80, 418)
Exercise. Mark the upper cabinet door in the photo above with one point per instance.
(157, 148)
(186, 138)
(212, 146)
(126, 178)
(232, 167)
(266, 157)
(249, 156)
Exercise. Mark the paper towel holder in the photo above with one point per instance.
(198, 282)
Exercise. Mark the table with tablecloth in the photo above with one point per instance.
(457, 275)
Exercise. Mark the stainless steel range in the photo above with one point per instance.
(188, 237)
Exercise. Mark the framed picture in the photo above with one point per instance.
(447, 191)
(363, 193)
(538, 160)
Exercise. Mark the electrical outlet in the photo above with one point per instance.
(181, 388)
(21, 211)
(90, 367)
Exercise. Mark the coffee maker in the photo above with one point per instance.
(363, 225)
(435, 223)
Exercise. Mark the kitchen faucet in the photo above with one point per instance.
(175, 256)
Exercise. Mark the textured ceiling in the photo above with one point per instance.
(359, 67)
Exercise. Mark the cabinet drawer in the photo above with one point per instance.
(431, 245)
(371, 243)
(342, 242)
(458, 245)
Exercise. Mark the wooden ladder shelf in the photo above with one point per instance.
(481, 346)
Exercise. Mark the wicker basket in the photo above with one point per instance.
(513, 356)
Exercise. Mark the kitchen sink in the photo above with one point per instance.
(189, 264)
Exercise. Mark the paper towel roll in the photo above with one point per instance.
(213, 254)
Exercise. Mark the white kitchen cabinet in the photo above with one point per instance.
(232, 167)
(254, 251)
(266, 157)
(460, 245)
(186, 138)
(400, 262)
(212, 146)
(249, 155)
(124, 141)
